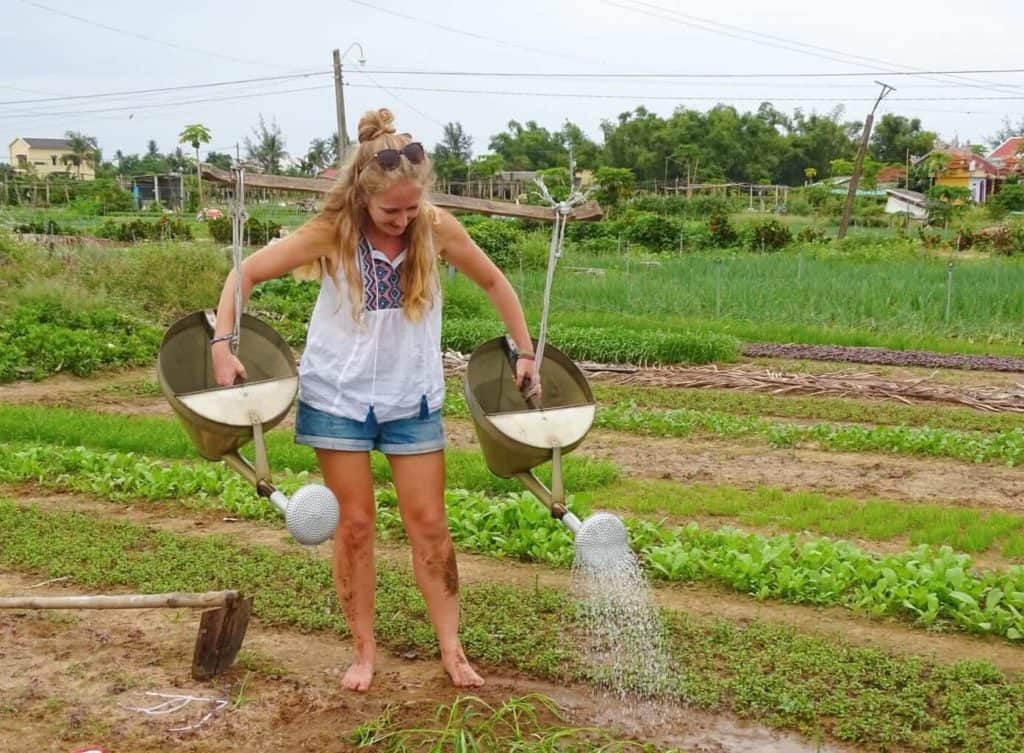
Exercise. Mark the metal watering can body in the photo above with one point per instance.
(515, 438)
(219, 420)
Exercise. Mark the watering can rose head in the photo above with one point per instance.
(383, 184)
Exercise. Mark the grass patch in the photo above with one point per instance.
(793, 296)
(527, 724)
(770, 673)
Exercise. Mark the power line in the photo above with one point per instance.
(134, 107)
(683, 19)
(759, 75)
(161, 90)
(144, 37)
(692, 77)
(682, 97)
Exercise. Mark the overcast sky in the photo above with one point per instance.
(60, 48)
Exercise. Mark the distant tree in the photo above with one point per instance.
(487, 165)
(266, 149)
(813, 141)
(178, 161)
(322, 153)
(839, 168)
(529, 147)
(810, 174)
(585, 151)
(894, 136)
(932, 166)
(451, 157)
(1008, 131)
(84, 150)
(195, 135)
(152, 152)
(219, 159)
(615, 185)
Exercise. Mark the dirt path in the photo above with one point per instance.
(703, 601)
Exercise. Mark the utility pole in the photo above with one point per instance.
(339, 98)
(859, 164)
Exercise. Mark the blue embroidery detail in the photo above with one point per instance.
(381, 289)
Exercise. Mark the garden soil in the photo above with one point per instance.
(73, 678)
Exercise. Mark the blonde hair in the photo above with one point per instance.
(345, 208)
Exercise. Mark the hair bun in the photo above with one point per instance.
(376, 123)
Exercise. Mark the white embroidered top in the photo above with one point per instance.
(385, 361)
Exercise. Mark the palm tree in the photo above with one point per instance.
(268, 149)
(321, 154)
(195, 135)
(83, 149)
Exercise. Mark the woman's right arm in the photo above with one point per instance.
(307, 244)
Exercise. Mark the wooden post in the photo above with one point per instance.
(121, 601)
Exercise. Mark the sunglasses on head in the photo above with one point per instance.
(390, 159)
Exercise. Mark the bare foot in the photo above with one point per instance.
(359, 676)
(460, 670)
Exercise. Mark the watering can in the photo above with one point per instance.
(221, 420)
(517, 435)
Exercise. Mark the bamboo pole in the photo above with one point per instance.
(121, 601)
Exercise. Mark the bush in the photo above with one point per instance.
(653, 231)
(723, 234)
(615, 185)
(809, 234)
(581, 231)
(695, 207)
(1006, 239)
(696, 235)
(766, 235)
(162, 229)
(500, 239)
(255, 233)
(45, 226)
(101, 196)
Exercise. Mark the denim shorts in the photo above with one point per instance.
(403, 436)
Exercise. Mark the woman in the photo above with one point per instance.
(371, 375)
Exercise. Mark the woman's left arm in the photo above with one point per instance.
(463, 254)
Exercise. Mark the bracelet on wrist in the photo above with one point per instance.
(222, 338)
(526, 356)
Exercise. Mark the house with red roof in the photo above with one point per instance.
(1009, 155)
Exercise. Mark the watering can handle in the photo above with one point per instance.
(527, 389)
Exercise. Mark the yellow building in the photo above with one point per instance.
(46, 156)
(964, 169)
